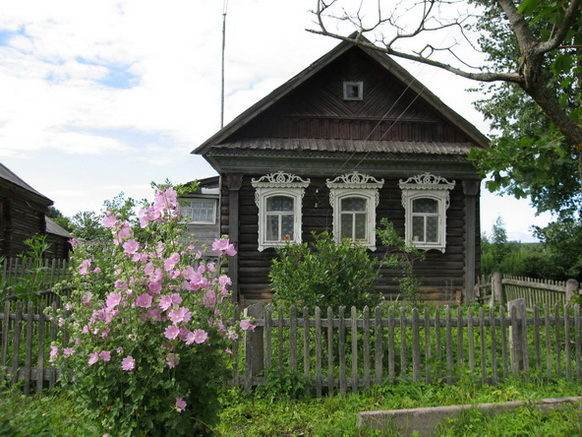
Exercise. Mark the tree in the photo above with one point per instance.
(532, 58)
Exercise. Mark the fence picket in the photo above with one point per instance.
(354, 335)
(366, 341)
(378, 348)
(318, 353)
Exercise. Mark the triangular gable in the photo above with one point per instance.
(381, 59)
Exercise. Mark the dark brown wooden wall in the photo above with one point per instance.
(317, 109)
(441, 273)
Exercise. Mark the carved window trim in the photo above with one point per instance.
(426, 186)
(361, 186)
(279, 184)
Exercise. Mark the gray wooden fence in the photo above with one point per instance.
(339, 351)
(504, 288)
(346, 349)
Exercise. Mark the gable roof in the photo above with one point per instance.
(11, 177)
(381, 59)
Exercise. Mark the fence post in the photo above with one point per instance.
(517, 334)
(254, 342)
(571, 289)
(497, 294)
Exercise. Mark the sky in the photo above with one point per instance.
(103, 97)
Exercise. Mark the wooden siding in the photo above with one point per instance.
(442, 274)
(388, 111)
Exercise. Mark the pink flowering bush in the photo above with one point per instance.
(148, 334)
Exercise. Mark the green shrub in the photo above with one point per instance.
(324, 273)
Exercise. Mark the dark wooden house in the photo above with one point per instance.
(23, 215)
(350, 140)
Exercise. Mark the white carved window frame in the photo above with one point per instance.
(358, 185)
(279, 184)
(426, 186)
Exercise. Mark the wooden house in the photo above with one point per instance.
(23, 215)
(350, 140)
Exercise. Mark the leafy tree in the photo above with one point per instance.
(61, 220)
(562, 239)
(533, 58)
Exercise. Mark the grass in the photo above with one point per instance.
(271, 411)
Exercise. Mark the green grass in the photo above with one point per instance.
(271, 411)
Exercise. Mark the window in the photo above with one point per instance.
(425, 199)
(198, 211)
(353, 90)
(279, 198)
(354, 198)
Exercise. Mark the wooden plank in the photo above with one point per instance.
(16, 343)
(537, 350)
(449, 343)
(557, 345)
(471, 340)
(366, 341)
(578, 341)
(354, 335)
(438, 348)
(5, 334)
(330, 353)
(403, 358)
(391, 349)
(549, 365)
(28, 348)
(306, 364)
(293, 338)
(268, 337)
(41, 347)
(427, 349)
(493, 336)
(460, 342)
(567, 341)
(483, 348)
(378, 347)
(342, 351)
(318, 352)
(415, 345)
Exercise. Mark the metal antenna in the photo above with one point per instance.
(224, 9)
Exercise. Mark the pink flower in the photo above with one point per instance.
(180, 405)
(224, 246)
(68, 351)
(170, 262)
(180, 315)
(54, 353)
(155, 287)
(172, 360)
(172, 332)
(84, 269)
(93, 358)
(110, 220)
(128, 363)
(105, 355)
(245, 325)
(87, 298)
(209, 299)
(143, 300)
(130, 247)
(113, 299)
(200, 336)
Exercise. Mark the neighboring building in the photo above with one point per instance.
(348, 141)
(23, 215)
(200, 211)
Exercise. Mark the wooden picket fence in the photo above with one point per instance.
(339, 351)
(347, 349)
(504, 288)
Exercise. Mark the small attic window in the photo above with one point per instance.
(353, 90)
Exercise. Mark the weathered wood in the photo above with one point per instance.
(318, 352)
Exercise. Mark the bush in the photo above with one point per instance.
(147, 326)
(324, 273)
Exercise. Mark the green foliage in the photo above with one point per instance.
(402, 259)
(283, 383)
(35, 277)
(558, 257)
(324, 273)
(529, 156)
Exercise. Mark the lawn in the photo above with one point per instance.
(272, 412)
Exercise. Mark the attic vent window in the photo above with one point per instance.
(353, 90)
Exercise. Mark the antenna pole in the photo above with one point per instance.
(225, 6)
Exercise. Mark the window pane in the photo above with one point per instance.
(346, 226)
(353, 204)
(360, 226)
(432, 229)
(272, 228)
(280, 203)
(425, 205)
(199, 210)
(287, 227)
(418, 229)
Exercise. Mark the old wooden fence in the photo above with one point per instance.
(339, 351)
(346, 349)
(504, 288)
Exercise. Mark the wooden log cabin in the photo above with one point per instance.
(23, 215)
(350, 140)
